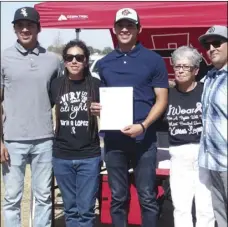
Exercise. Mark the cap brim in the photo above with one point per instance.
(129, 19)
(34, 21)
(202, 39)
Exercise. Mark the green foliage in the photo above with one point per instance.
(57, 47)
(107, 50)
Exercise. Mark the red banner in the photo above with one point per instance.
(165, 41)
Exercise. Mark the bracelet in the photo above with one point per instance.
(143, 127)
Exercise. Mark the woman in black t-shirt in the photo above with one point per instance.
(76, 148)
(184, 116)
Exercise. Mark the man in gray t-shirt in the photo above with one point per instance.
(26, 73)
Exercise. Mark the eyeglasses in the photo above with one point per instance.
(187, 68)
(215, 44)
(79, 57)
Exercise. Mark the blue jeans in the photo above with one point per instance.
(39, 155)
(143, 161)
(78, 181)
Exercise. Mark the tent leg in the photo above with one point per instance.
(77, 30)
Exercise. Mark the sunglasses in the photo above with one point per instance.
(215, 44)
(79, 57)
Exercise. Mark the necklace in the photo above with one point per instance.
(194, 85)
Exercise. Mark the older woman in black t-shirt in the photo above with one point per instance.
(187, 180)
(76, 149)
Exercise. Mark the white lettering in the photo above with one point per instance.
(178, 110)
(175, 131)
(76, 109)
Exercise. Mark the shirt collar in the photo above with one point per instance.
(132, 53)
(224, 68)
(24, 51)
(216, 72)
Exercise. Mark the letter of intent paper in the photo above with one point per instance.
(117, 107)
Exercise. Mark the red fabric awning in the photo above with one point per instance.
(152, 14)
(166, 25)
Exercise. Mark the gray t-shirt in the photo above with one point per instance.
(25, 79)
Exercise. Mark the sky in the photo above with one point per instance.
(95, 38)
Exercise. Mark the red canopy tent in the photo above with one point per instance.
(166, 25)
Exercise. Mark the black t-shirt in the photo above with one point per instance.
(73, 139)
(184, 116)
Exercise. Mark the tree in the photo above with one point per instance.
(107, 50)
(57, 46)
(97, 51)
(55, 49)
(91, 50)
(58, 40)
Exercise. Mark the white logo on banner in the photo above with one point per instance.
(62, 17)
(73, 17)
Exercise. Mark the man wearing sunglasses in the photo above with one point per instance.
(213, 149)
(26, 73)
(131, 64)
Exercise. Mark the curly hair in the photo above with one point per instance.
(188, 52)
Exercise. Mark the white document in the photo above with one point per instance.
(116, 107)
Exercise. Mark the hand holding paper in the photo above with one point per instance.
(95, 108)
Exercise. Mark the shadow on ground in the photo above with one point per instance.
(166, 219)
(59, 222)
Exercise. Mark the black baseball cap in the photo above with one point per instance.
(27, 13)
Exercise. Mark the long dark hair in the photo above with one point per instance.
(65, 87)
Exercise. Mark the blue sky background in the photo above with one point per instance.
(96, 38)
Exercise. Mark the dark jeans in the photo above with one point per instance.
(143, 161)
(78, 181)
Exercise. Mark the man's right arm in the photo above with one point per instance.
(4, 152)
(1, 100)
(1, 115)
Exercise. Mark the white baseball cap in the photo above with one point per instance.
(127, 14)
(214, 31)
